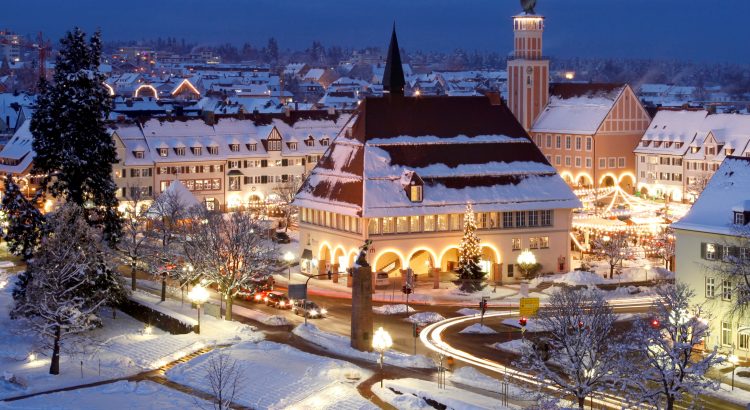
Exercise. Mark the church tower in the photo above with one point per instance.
(528, 70)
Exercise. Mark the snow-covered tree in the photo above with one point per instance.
(25, 222)
(73, 148)
(469, 271)
(731, 262)
(582, 354)
(167, 213)
(666, 244)
(71, 279)
(613, 248)
(231, 251)
(667, 366)
(224, 377)
(286, 191)
(134, 245)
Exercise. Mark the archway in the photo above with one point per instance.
(488, 259)
(584, 180)
(421, 261)
(388, 262)
(352, 256)
(449, 260)
(627, 182)
(339, 260)
(324, 258)
(608, 181)
(567, 177)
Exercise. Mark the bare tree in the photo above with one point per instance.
(224, 377)
(667, 366)
(730, 260)
(231, 251)
(583, 353)
(697, 185)
(70, 279)
(134, 244)
(286, 191)
(614, 248)
(666, 244)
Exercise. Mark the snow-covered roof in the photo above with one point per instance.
(727, 190)
(175, 190)
(577, 108)
(464, 149)
(17, 155)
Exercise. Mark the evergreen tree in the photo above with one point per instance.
(469, 271)
(73, 148)
(25, 222)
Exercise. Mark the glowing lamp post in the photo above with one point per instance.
(381, 341)
(526, 260)
(734, 360)
(199, 296)
(289, 257)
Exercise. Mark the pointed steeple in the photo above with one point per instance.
(393, 76)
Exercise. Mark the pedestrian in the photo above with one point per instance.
(330, 274)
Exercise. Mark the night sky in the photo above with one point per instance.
(708, 30)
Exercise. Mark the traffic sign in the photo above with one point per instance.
(528, 306)
(298, 291)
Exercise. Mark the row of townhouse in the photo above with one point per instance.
(232, 162)
(227, 164)
(681, 150)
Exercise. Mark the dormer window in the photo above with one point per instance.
(163, 152)
(293, 146)
(324, 142)
(252, 147)
(739, 218)
(694, 150)
(678, 145)
(234, 147)
(213, 150)
(196, 150)
(310, 141)
(645, 143)
(179, 151)
(729, 151)
(415, 193)
(138, 154)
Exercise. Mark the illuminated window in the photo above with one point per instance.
(163, 152)
(544, 242)
(374, 226)
(414, 224)
(516, 242)
(415, 193)
(710, 251)
(726, 333)
(429, 223)
(533, 243)
(402, 224)
(710, 287)
(442, 222)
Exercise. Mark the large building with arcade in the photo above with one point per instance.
(402, 177)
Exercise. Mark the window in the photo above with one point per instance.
(549, 141)
(138, 154)
(179, 151)
(213, 150)
(546, 217)
(374, 226)
(578, 143)
(135, 173)
(251, 147)
(544, 242)
(557, 160)
(442, 222)
(588, 162)
(533, 243)
(710, 287)
(726, 289)
(588, 143)
(234, 147)
(533, 218)
(710, 251)
(310, 141)
(612, 162)
(507, 219)
(602, 163)
(415, 193)
(567, 161)
(621, 162)
(234, 183)
(520, 219)
(567, 142)
(429, 223)
(455, 222)
(414, 224)
(743, 340)
(510, 270)
(388, 225)
(162, 152)
(402, 224)
(516, 242)
(578, 162)
(739, 218)
(324, 142)
(557, 141)
(726, 333)
(293, 146)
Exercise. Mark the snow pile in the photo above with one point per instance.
(577, 277)
(425, 317)
(304, 381)
(342, 345)
(392, 309)
(422, 390)
(468, 312)
(514, 346)
(275, 320)
(477, 328)
(472, 377)
(134, 395)
(532, 325)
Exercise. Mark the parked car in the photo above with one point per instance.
(278, 300)
(381, 279)
(308, 308)
(261, 296)
(281, 237)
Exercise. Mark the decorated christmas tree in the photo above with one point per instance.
(25, 222)
(470, 275)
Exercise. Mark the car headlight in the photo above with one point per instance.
(323, 312)
(282, 303)
(257, 297)
(314, 312)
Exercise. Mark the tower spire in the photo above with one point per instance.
(393, 75)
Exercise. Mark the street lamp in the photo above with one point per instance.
(734, 360)
(198, 295)
(381, 341)
(289, 257)
(526, 260)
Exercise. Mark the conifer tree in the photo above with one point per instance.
(469, 271)
(25, 221)
(73, 148)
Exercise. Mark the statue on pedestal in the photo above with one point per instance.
(528, 6)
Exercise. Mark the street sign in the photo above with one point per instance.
(528, 306)
(298, 291)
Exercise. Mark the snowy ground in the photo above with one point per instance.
(303, 381)
(415, 391)
(392, 309)
(632, 271)
(341, 345)
(122, 394)
(425, 317)
(725, 392)
(121, 348)
(477, 328)
(470, 376)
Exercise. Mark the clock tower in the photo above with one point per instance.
(528, 70)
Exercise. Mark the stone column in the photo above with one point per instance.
(435, 278)
(362, 317)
